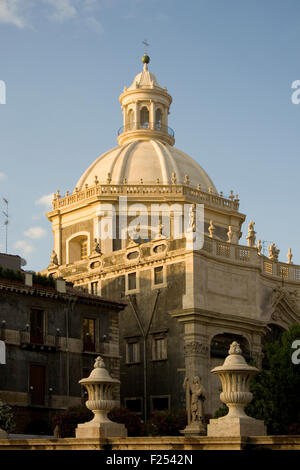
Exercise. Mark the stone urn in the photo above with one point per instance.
(3, 434)
(99, 386)
(235, 376)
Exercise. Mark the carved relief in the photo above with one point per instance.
(194, 347)
(284, 304)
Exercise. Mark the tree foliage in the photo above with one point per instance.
(276, 389)
(6, 418)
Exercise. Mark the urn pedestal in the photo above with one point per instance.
(235, 376)
(3, 434)
(99, 386)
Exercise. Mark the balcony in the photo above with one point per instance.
(148, 129)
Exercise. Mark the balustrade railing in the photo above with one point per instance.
(152, 126)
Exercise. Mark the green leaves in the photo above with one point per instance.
(276, 390)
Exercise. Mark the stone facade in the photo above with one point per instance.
(46, 350)
(185, 305)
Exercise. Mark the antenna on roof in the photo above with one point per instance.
(5, 213)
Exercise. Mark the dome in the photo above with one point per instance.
(144, 79)
(148, 160)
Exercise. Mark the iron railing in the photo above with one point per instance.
(154, 126)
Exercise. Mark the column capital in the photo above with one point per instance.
(196, 348)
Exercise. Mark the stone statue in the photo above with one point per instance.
(195, 396)
(289, 256)
(97, 248)
(273, 252)
(54, 258)
(186, 179)
(108, 179)
(259, 247)
(192, 217)
(251, 234)
(235, 348)
(56, 432)
(173, 178)
(230, 234)
(211, 229)
(159, 230)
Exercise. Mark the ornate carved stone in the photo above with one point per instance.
(192, 217)
(54, 258)
(196, 348)
(251, 234)
(99, 386)
(186, 179)
(229, 234)
(211, 229)
(96, 248)
(276, 315)
(289, 256)
(273, 252)
(235, 376)
(259, 247)
(195, 396)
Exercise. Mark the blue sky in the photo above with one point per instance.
(229, 66)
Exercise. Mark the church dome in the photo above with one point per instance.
(146, 152)
(151, 161)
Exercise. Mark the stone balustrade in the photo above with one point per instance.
(174, 190)
(249, 256)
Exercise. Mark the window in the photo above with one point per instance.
(131, 281)
(160, 403)
(94, 288)
(37, 326)
(130, 119)
(134, 404)
(159, 347)
(144, 117)
(83, 249)
(89, 334)
(158, 119)
(158, 275)
(77, 247)
(132, 352)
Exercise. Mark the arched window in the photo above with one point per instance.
(158, 118)
(145, 117)
(77, 247)
(130, 121)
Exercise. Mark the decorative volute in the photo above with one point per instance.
(145, 105)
